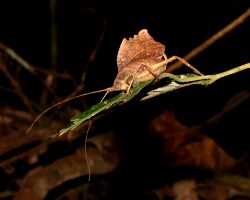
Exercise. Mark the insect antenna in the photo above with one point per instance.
(108, 90)
(62, 102)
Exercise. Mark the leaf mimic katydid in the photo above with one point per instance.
(140, 60)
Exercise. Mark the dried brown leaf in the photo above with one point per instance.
(37, 183)
(187, 147)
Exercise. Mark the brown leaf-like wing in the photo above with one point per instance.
(141, 49)
(135, 56)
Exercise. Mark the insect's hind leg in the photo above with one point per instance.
(171, 59)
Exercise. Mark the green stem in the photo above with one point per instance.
(211, 78)
(180, 81)
(232, 71)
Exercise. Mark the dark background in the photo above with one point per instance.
(179, 25)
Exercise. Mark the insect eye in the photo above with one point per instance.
(129, 79)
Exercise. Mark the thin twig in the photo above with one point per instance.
(17, 58)
(239, 20)
(30, 68)
(16, 85)
(15, 115)
(64, 75)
